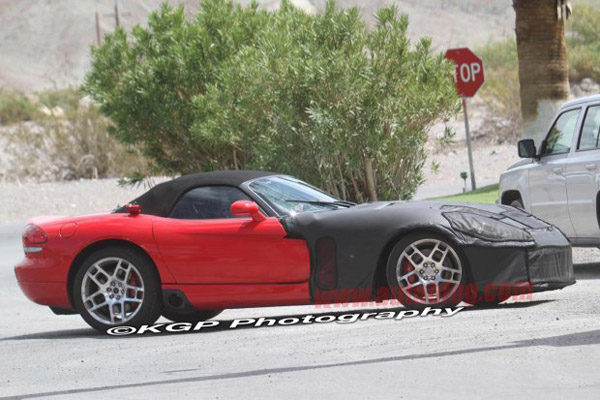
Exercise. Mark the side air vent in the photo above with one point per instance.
(326, 276)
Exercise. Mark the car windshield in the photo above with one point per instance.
(289, 196)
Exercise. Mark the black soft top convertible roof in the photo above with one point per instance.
(161, 198)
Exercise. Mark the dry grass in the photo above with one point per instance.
(500, 94)
(66, 139)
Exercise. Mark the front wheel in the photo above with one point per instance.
(426, 269)
(117, 286)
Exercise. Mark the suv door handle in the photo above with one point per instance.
(591, 167)
(558, 171)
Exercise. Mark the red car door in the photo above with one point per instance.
(201, 242)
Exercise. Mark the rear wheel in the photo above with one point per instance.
(117, 286)
(426, 269)
(192, 316)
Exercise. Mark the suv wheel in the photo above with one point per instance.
(517, 204)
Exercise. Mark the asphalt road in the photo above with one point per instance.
(547, 347)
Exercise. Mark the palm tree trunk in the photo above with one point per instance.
(543, 69)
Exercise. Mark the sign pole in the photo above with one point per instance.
(468, 135)
(468, 78)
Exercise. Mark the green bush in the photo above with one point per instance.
(320, 97)
(16, 107)
(583, 41)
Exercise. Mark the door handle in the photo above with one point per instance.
(558, 171)
(591, 167)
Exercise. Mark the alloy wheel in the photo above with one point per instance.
(112, 290)
(429, 271)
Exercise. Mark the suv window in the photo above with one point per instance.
(560, 137)
(590, 129)
(208, 202)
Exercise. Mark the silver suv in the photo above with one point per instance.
(560, 181)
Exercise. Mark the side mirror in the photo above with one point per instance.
(246, 207)
(133, 209)
(527, 148)
(543, 147)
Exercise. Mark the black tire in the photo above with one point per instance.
(400, 293)
(192, 316)
(518, 203)
(145, 311)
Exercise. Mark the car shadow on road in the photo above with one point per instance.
(224, 325)
(572, 339)
(62, 334)
(587, 271)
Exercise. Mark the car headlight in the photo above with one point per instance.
(486, 227)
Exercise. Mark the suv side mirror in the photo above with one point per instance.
(527, 148)
(246, 207)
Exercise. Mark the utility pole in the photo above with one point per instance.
(117, 22)
(117, 14)
(98, 38)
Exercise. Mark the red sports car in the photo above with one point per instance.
(195, 245)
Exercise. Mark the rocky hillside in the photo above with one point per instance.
(45, 43)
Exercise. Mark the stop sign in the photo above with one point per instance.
(468, 71)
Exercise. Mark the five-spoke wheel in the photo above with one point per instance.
(117, 286)
(112, 290)
(425, 269)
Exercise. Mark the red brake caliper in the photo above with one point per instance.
(418, 290)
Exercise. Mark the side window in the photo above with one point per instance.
(208, 202)
(560, 137)
(590, 130)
